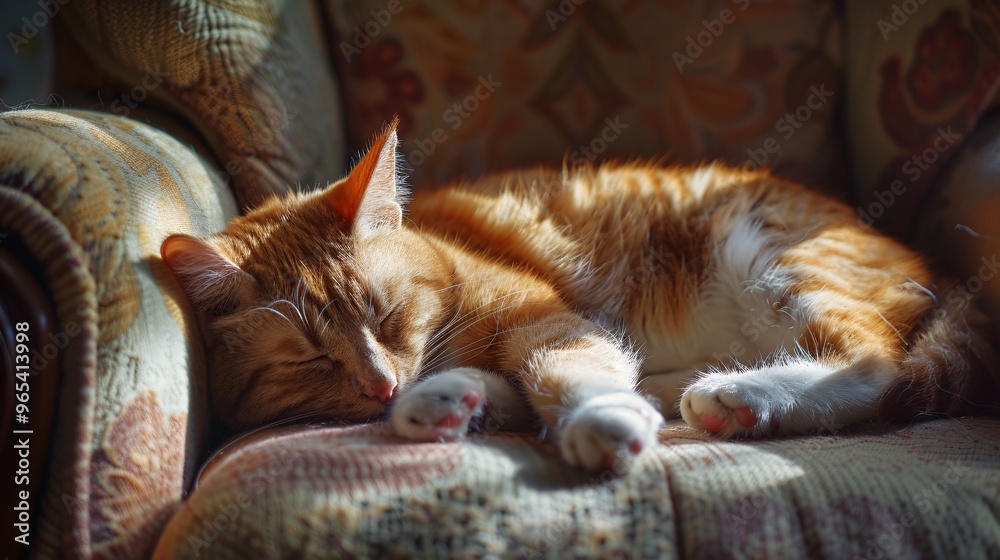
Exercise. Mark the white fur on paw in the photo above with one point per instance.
(440, 407)
(790, 398)
(721, 404)
(609, 431)
(780, 399)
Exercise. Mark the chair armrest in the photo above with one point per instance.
(85, 200)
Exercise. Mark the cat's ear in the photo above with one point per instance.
(212, 282)
(367, 198)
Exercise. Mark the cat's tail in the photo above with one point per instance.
(951, 368)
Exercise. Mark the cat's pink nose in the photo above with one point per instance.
(380, 390)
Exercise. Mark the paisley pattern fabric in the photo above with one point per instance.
(920, 76)
(487, 86)
(923, 81)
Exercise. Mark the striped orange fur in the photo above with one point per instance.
(746, 303)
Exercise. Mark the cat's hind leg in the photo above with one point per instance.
(792, 396)
(443, 406)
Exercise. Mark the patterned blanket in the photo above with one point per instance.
(931, 489)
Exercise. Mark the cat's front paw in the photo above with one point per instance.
(609, 431)
(734, 405)
(440, 407)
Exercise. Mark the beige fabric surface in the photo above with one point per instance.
(252, 76)
(927, 490)
(93, 196)
(488, 86)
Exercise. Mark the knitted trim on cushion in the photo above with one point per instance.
(64, 523)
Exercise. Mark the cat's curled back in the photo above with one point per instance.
(746, 303)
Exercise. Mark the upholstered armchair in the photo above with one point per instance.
(153, 118)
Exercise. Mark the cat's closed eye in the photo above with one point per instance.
(297, 350)
(307, 360)
(223, 308)
(389, 324)
(324, 361)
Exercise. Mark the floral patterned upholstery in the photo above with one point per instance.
(921, 79)
(917, 85)
(489, 86)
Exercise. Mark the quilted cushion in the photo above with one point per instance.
(927, 490)
(250, 75)
(485, 86)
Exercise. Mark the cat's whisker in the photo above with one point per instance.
(301, 292)
(923, 289)
(438, 350)
(322, 312)
(464, 352)
(522, 327)
(294, 307)
(455, 331)
(504, 305)
(275, 311)
(894, 329)
(438, 346)
(451, 287)
(489, 302)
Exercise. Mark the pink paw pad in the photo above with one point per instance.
(450, 420)
(455, 418)
(635, 446)
(745, 417)
(471, 399)
(712, 422)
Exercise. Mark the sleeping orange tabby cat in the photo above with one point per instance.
(748, 304)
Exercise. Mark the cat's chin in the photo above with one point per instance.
(364, 414)
(370, 412)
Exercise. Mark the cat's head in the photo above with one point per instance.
(315, 303)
